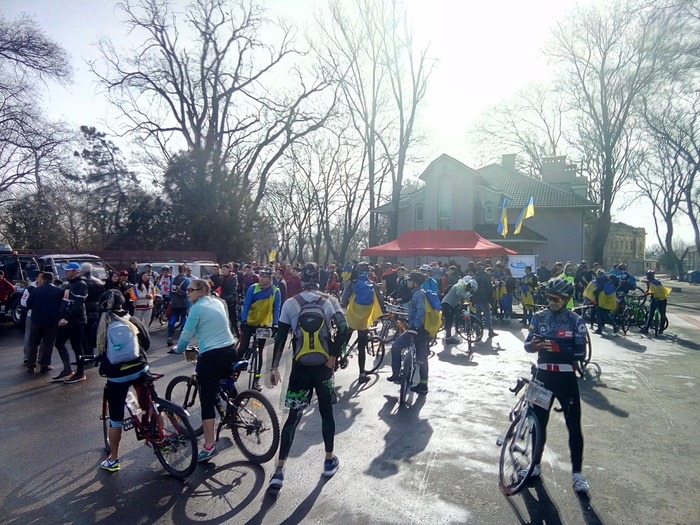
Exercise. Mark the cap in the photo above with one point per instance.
(75, 266)
(124, 272)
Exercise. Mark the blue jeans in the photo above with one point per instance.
(422, 339)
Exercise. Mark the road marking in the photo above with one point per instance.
(684, 320)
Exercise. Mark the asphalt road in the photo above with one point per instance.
(436, 462)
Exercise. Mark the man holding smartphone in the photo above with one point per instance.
(558, 335)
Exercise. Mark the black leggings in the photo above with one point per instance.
(448, 314)
(212, 366)
(317, 378)
(362, 340)
(564, 385)
(659, 305)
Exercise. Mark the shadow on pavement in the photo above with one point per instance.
(685, 343)
(590, 516)
(591, 395)
(538, 504)
(628, 344)
(408, 435)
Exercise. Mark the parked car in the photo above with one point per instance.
(55, 262)
(21, 268)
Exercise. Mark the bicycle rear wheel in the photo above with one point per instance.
(174, 442)
(375, 354)
(518, 453)
(406, 376)
(254, 425)
(253, 363)
(626, 319)
(640, 316)
(105, 423)
(183, 391)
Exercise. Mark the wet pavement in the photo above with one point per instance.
(435, 462)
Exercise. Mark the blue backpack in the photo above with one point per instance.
(122, 341)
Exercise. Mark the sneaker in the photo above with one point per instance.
(580, 483)
(599, 331)
(420, 388)
(75, 378)
(206, 455)
(616, 329)
(363, 377)
(276, 482)
(169, 342)
(394, 379)
(30, 369)
(452, 340)
(492, 334)
(330, 466)
(63, 376)
(111, 465)
(535, 472)
(256, 386)
(45, 369)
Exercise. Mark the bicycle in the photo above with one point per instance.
(409, 363)
(374, 351)
(248, 414)
(656, 324)
(523, 440)
(160, 309)
(254, 356)
(393, 323)
(469, 327)
(162, 425)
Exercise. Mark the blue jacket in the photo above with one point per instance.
(45, 303)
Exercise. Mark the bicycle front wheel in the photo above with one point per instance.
(254, 425)
(518, 452)
(174, 442)
(626, 319)
(105, 423)
(375, 354)
(406, 376)
(183, 391)
(253, 363)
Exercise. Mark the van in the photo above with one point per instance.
(55, 262)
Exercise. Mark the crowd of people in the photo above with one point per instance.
(223, 311)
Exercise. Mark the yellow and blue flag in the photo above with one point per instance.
(273, 253)
(503, 224)
(528, 211)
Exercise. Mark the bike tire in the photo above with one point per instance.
(375, 354)
(105, 423)
(253, 363)
(174, 444)
(406, 376)
(626, 319)
(184, 391)
(518, 453)
(254, 426)
(641, 315)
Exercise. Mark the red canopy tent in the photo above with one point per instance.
(466, 243)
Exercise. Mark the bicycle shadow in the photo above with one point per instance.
(542, 510)
(460, 357)
(300, 512)
(628, 344)
(592, 397)
(676, 339)
(408, 435)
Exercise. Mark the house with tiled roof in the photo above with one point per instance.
(457, 197)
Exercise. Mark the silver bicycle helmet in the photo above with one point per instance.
(560, 287)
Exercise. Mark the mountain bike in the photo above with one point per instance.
(656, 323)
(523, 440)
(160, 308)
(162, 425)
(409, 363)
(393, 323)
(254, 355)
(248, 414)
(374, 354)
(469, 327)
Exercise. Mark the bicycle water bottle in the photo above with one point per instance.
(133, 403)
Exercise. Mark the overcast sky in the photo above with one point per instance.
(486, 51)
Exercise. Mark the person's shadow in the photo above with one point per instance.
(300, 512)
(407, 436)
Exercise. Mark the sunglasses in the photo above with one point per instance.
(554, 299)
(190, 290)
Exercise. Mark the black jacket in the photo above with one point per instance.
(45, 303)
(73, 307)
(484, 293)
(92, 303)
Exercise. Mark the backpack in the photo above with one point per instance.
(312, 334)
(432, 320)
(122, 341)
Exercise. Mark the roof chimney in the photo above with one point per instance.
(508, 161)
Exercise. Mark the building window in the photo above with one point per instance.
(419, 215)
(488, 207)
(444, 221)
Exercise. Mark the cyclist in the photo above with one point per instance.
(208, 321)
(528, 284)
(430, 284)
(452, 303)
(119, 376)
(658, 302)
(627, 281)
(229, 293)
(558, 336)
(363, 301)
(304, 379)
(178, 302)
(421, 338)
(261, 307)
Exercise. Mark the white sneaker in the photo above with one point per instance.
(580, 483)
(535, 472)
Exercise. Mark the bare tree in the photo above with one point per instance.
(204, 82)
(610, 56)
(531, 124)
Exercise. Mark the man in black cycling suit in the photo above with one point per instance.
(559, 337)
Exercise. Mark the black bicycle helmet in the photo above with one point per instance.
(309, 274)
(417, 277)
(111, 300)
(265, 271)
(560, 287)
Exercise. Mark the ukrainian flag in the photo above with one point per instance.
(528, 211)
(503, 224)
(273, 253)
(363, 307)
